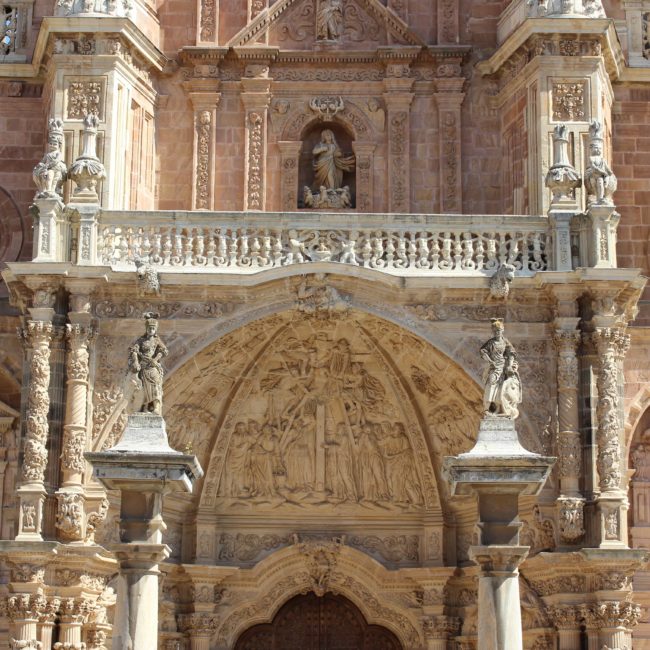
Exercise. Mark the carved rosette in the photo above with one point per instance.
(611, 344)
(38, 336)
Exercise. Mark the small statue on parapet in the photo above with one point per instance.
(600, 181)
(51, 172)
(502, 394)
(145, 366)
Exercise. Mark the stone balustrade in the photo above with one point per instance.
(249, 243)
(15, 23)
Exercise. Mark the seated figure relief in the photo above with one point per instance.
(329, 434)
(330, 163)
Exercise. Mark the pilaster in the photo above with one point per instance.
(79, 334)
(199, 627)
(365, 188)
(611, 343)
(568, 620)
(24, 611)
(36, 336)
(439, 631)
(256, 97)
(449, 97)
(289, 165)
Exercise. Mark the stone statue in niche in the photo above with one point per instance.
(502, 394)
(329, 166)
(329, 433)
(329, 20)
(600, 181)
(145, 366)
(50, 173)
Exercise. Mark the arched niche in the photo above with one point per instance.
(639, 464)
(312, 137)
(299, 123)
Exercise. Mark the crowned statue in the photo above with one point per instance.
(330, 163)
(502, 394)
(145, 366)
(51, 172)
(600, 181)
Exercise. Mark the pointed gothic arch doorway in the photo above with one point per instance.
(308, 622)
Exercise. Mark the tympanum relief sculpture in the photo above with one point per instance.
(330, 163)
(322, 429)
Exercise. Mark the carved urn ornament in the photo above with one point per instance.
(51, 172)
(562, 178)
(87, 170)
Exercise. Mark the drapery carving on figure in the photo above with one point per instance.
(502, 394)
(329, 434)
(329, 20)
(145, 370)
(600, 181)
(329, 166)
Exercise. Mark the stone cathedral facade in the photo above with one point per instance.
(325, 202)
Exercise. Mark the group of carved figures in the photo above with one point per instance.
(599, 180)
(328, 430)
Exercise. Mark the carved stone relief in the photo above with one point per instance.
(85, 97)
(323, 429)
(569, 101)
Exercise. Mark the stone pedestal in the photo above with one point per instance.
(498, 469)
(143, 467)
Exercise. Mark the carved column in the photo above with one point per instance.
(46, 621)
(365, 191)
(256, 98)
(449, 99)
(567, 619)
(37, 336)
(73, 612)
(205, 111)
(199, 628)
(398, 98)
(570, 503)
(24, 611)
(289, 164)
(79, 334)
(611, 344)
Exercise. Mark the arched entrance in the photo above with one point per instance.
(312, 623)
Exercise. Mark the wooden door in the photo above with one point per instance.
(312, 623)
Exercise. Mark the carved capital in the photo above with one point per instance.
(24, 607)
(198, 625)
(611, 614)
(440, 627)
(565, 617)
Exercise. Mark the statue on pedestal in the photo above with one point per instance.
(329, 20)
(502, 394)
(329, 166)
(51, 172)
(145, 356)
(600, 181)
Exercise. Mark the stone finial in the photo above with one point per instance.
(562, 178)
(87, 170)
(145, 357)
(51, 172)
(600, 181)
(502, 394)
